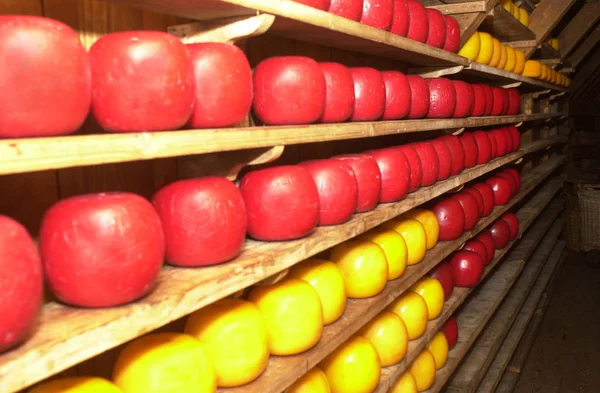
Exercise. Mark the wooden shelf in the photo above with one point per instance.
(303, 23)
(534, 305)
(283, 371)
(504, 26)
(519, 271)
(36, 154)
(181, 291)
(496, 76)
(474, 366)
(527, 215)
(546, 51)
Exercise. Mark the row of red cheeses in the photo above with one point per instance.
(406, 18)
(150, 81)
(107, 249)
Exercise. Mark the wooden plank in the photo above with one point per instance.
(578, 27)
(36, 154)
(182, 291)
(585, 48)
(508, 383)
(585, 72)
(526, 216)
(460, 8)
(481, 306)
(514, 335)
(545, 17)
(495, 76)
(515, 312)
(504, 26)
(303, 23)
(469, 23)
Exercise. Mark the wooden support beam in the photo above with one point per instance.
(545, 17)
(469, 23)
(461, 8)
(589, 67)
(579, 26)
(585, 48)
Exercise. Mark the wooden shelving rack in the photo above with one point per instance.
(66, 337)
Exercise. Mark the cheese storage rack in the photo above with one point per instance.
(36, 172)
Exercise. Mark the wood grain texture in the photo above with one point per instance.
(480, 307)
(585, 48)
(35, 154)
(508, 383)
(578, 28)
(303, 23)
(180, 292)
(527, 215)
(545, 17)
(460, 8)
(515, 311)
(499, 77)
(534, 306)
(504, 26)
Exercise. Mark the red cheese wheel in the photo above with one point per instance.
(457, 152)
(478, 197)
(416, 168)
(339, 93)
(487, 193)
(418, 22)
(430, 162)
(470, 148)
(489, 99)
(350, 9)
(397, 95)
(142, 81)
(451, 218)
(220, 69)
(508, 139)
(419, 97)
(442, 98)
(479, 100)
(516, 137)
(505, 98)
(289, 90)
(395, 173)
(494, 145)
(337, 188)
(516, 175)
(514, 102)
(282, 202)
(502, 189)
(319, 4)
(500, 232)
(486, 239)
(513, 223)
(400, 19)
(484, 147)
(452, 34)
(465, 99)
(470, 207)
(477, 247)
(369, 94)
(437, 28)
(467, 268)
(511, 180)
(501, 143)
(368, 179)
(444, 158)
(22, 283)
(499, 103)
(378, 13)
(46, 78)
(204, 221)
(101, 250)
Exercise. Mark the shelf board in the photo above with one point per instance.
(474, 366)
(36, 154)
(527, 215)
(496, 76)
(509, 341)
(181, 291)
(504, 26)
(300, 22)
(481, 306)
(283, 371)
